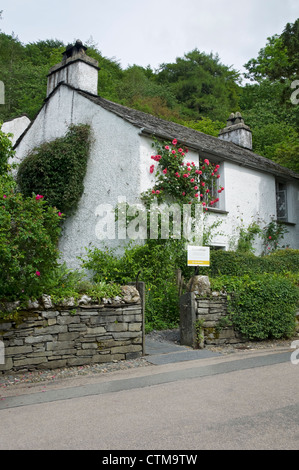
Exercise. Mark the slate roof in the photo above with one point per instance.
(206, 145)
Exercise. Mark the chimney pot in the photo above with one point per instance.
(76, 69)
(236, 131)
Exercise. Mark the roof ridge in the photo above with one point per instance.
(153, 125)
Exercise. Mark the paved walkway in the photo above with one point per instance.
(163, 352)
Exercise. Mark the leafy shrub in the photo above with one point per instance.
(154, 263)
(157, 261)
(272, 235)
(234, 263)
(29, 231)
(56, 169)
(261, 306)
(283, 261)
(6, 151)
(162, 305)
(246, 238)
(62, 283)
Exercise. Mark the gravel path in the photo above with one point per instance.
(9, 379)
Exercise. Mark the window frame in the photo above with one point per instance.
(216, 187)
(281, 190)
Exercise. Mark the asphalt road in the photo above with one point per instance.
(247, 400)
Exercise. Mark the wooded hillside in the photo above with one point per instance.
(197, 90)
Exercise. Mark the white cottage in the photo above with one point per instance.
(118, 167)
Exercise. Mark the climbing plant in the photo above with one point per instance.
(182, 181)
(56, 169)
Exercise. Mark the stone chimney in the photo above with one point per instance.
(237, 132)
(75, 69)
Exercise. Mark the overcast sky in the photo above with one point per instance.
(150, 32)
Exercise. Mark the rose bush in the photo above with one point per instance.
(29, 231)
(182, 181)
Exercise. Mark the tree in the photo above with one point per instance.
(279, 59)
(24, 70)
(202, 85)
(140, 90)
(266, 104)
(205, 125)
(11, 66)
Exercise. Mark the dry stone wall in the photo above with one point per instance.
(213, 316)
(204, 318)
(49, 338)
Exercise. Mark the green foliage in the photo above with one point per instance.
(62, 283)
(198, 76)
(6, 152)
(290, 40)
(162, 305)
(139, 90)
(253, 282)
(273, 120)
(29, 231)
(279, 59)
(246, 237)
(110, 73)
(103, 289)
(286, 152)
(56, 169)
(261, 306)
(205, 125)
(231, 263)
(273, 233)
(180, 182)
(154, 263)
(234, 263)
(23, 70)
(266, 105)
(197, 90)
(202, 85)
(199, 332)
(263, 291)
(282, 261)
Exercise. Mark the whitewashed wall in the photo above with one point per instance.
(118, 169)
(16, 127)
(113, 166)
(250, 196)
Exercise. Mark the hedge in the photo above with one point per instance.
(233, 263)
(261, 306)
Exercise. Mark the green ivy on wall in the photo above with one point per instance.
(57, 169)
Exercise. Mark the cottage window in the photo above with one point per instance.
(213, 192)
(281, 201)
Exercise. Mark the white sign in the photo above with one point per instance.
(198, 255)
